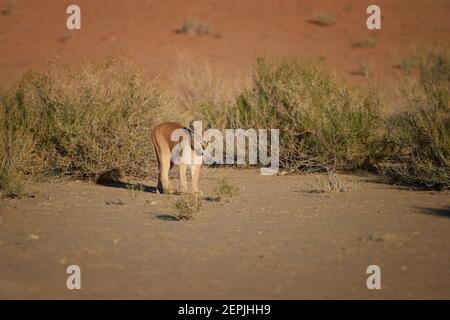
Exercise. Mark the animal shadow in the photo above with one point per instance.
(125, 185)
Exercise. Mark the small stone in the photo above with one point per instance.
(33, 237)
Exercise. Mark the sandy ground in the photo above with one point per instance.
(276, 240)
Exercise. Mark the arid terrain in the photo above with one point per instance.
(279, 238)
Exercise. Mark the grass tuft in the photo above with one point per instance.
(333, 183)
(365, 43)
(362, 70)
(187, 207)
(225, 190)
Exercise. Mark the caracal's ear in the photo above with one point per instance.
(191, 126)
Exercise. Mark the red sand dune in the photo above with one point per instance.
(144, 30)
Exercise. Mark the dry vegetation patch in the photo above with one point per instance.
(85, 119)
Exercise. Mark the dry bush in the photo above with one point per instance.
(187, 207)
(16, 149)
(194, 27)
(203, 92)
(333, 183)
(9, 7)
(362, 70)
(420, 137)
(80, 119)
(225, 190)
(323, 19)
(323, 124)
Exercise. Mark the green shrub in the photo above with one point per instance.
(16, 145)
(420, 137)
(323, 124)
(80, 119)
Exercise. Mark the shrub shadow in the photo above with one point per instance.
(444, 212)
(166, 217)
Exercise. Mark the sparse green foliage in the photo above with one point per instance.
(86, 119)
(225, 190)
(324, 19)
(420, 137)
(407, 64)
(187, 207)
(323, 123)
(16, 144)
(81, 120)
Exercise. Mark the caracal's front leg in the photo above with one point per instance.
(183, 179)
(195, 173)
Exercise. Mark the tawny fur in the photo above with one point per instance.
(161, 138)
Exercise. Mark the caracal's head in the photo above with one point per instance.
(198, 133)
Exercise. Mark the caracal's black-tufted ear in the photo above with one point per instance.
(191, 126)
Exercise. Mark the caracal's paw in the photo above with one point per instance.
(170, 191)
(184, 190)
(197, 194)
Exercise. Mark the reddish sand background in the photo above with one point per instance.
(144, 30)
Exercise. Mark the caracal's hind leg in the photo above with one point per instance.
(195, 174)
(159, 186)
(164, 172)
